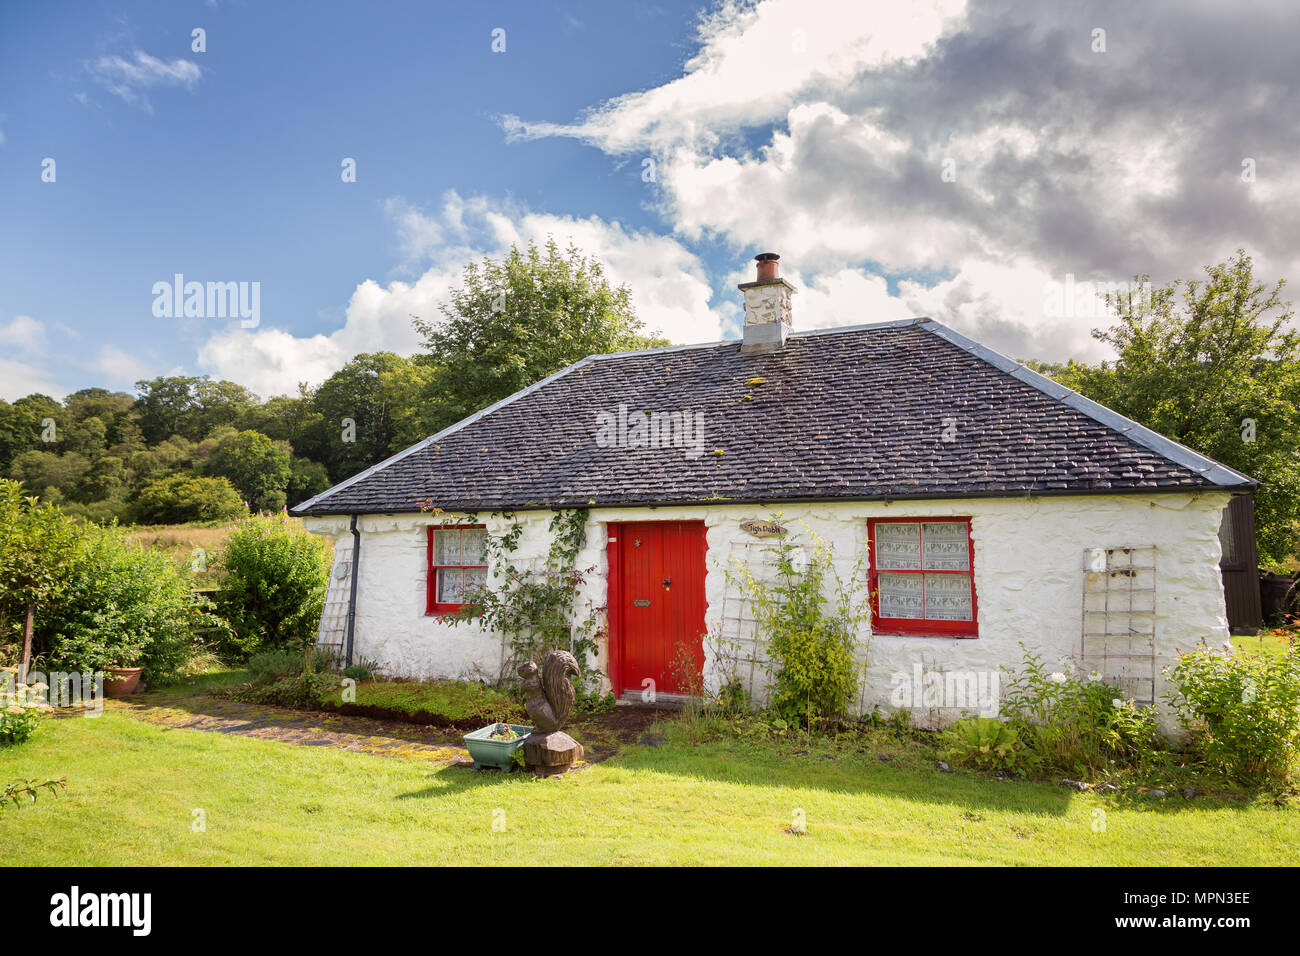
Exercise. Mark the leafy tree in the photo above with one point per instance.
(87, 437)
(97, 403)
(182, 498)
(174, 455)
(362, 413)
(307, 479)
(114, 409)
(281, 417)
(48, 475)
(105, 479)
(40, 407)
(514, 321)
(164, 407)
(20, 431)
(219, 403)
(37, 546)
(1212, 364)
(274, 584)
(255, 465)
(188, 406)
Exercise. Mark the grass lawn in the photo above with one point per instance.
(134, 788)
(448, 701)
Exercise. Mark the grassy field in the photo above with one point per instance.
(180, 540)
(135, 792)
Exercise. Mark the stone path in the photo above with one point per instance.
(602, 734)
(308, 729)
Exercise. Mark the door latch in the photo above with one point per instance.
(668, 582)
(641, 602)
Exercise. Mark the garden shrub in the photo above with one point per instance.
(811, 638)
(124, 606)
(304, 691)
(1242, 711)
(17, 723)
(274, 587)
(1077, 724)
(267, 666)
(987, 743)
(363, 669)
(325, 659)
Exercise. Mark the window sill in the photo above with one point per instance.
(912, 634)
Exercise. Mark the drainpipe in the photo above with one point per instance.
(352, 596)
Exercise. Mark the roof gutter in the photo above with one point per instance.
(1027, 493)
(352, 596)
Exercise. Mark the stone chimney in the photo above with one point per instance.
(767, 307)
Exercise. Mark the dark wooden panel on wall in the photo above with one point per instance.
(1238, 564)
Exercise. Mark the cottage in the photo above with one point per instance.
(988, 506)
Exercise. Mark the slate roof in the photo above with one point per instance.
(840, 414)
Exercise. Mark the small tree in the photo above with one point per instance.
(37, 547)
(275, 578)
(515, 321)
(1212, 364)
(257, 466)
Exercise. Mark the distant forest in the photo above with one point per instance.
(188, 448)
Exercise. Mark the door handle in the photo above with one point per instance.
(668, 582)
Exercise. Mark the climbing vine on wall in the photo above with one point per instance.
(535, 608)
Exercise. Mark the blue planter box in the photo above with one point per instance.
(495, 753)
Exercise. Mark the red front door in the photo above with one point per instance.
(657, 595)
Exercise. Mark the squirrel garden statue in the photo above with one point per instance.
(549, 698)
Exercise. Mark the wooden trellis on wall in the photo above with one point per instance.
(736, 644)
(1119, 618)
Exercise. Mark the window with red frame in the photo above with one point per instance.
(457, 562)
(922, 577)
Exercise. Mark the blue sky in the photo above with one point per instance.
(238, 176)
(814, 128)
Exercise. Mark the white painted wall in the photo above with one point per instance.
(1028, 579)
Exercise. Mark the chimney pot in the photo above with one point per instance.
(767, 308)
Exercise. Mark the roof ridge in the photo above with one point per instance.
(1213, 471)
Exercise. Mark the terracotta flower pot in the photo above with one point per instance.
(122, 681)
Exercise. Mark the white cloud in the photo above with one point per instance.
(128, 78)
(22, 349)
(753, 64)
(18, 379)
(120, 368)
(823, 131)
(23, 334)
(669, 285)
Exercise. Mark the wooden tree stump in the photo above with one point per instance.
(553, 752)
